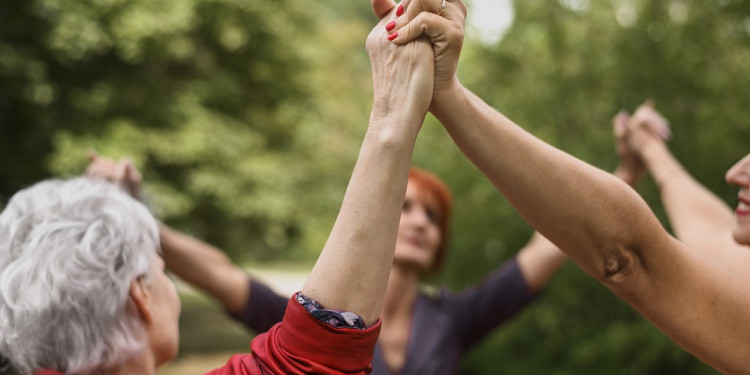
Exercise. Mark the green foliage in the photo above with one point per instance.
(205, 96)
(246, 118)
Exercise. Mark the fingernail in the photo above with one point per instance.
(400, 10)
(393, 36)
(390, 26)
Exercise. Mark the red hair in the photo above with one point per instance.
(431, 184)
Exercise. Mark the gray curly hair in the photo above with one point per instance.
(69, 251)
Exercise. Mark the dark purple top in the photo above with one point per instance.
(443, 327)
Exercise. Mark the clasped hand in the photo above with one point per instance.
(414, 53)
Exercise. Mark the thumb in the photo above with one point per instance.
(427, 23)
(382, 7)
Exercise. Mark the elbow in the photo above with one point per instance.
(619, 268)
(621, 260)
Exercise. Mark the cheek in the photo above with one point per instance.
(175, 308)
(437, 237)
(168, 292)
(435, 240)
(175, 298)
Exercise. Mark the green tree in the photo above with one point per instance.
(206, 96)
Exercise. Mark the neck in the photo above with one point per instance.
(142, 364)
(401, 292)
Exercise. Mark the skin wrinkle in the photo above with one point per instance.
(620, 263)
(618, 267)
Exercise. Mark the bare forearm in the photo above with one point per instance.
(538, 260)
(352, 270)
(696, 214)
(552, 190)
(205, 267)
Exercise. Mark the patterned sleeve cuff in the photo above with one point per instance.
(334, 318)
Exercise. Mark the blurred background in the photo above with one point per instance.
(246, 117)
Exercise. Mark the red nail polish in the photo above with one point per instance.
(400, 10)
(390, 26)
(393, 36)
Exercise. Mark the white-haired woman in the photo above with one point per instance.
(83, 291)
(81, 278)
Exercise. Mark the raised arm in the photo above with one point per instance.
(630, 168)
(603, 225)
(575, 205)
(607, 229)
(353, 268)
(538, 260)
(198, 263)
(205, 267)
(698, 217)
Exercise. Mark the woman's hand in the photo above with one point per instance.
(403, 75)
(445, 28)
(631, 168)
(122, 173)
(644, 128)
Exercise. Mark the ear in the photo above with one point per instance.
(142, 299)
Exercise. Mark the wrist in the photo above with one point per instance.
(662, 165)
(397, 124)
(444, 86)
(407, 110)
(651, 152)
(666, 176)
(443, 99)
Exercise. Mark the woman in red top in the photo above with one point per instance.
(83, 288)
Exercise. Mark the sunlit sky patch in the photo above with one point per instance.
(488, 20)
